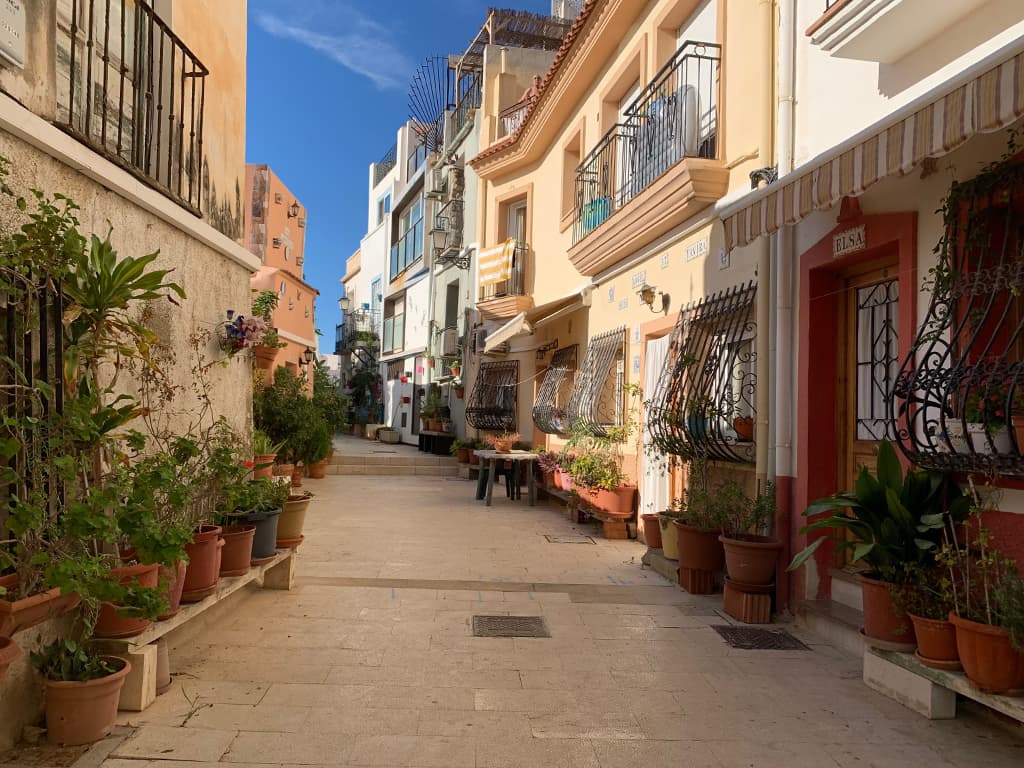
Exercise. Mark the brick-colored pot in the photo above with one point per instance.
(989, 659)
(261, 459)
(651, 530)
(318, 470)
(936, 642)
(699, 550)
(203, 569)
(9, 653)
(881, 621)
(236, 553)
(84, 712)
(297, 472)
(751, 559)
(112, 624)
(175, 580)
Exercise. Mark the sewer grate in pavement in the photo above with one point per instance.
(510, 626)
(569, 538)
(754, 639)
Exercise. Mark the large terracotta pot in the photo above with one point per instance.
(264, 543)
(462, 455)
(881, 621)
(297, 472)
(9, 581)
(936, 642)
(699, 550)
(318, 470)
(751, 559)
(503, 446)
(9, 653)
(237, 551)
(651, 530)
(112, 624)
(84, 712)
(203, 563)
(16, 615)
(265, 357)
(261, 459)
(617, 503)
(175, 580)
(990, 661)
(669, 537)
(292, 520)
(282, 470)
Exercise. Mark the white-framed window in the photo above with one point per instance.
(408, 248)
(394, 325)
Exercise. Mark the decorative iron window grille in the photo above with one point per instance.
(130, 88)
(550, 409)
(597, 401)
(493, 401)
(705, 401)
(962, 383)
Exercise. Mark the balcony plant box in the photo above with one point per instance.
(84, 711)
(111, 623)
(617, 502)
(203, 568)
(236, 554)
(9, 653)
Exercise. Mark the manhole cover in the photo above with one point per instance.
(509, 626)
(754, 639)
(568, 539)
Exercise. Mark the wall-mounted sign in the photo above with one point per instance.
(636, 364)
(664, 261)
(724, 259)
(849, 241)
(611, 294)
(12, 32)
(623, 304)
(698, 249)
(639, 279)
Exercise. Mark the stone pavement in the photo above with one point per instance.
(371, 661)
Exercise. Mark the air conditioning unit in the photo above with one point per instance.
(449, 342)
(436, 184)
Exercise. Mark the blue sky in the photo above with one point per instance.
(327, 89)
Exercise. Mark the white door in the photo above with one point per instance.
(654, 484)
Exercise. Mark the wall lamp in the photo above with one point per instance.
(344, 303)
(293, 210)
(647, 296)
(307, 356)
(438, 239)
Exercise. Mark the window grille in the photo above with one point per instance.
(705, 400)
(550, 410)
(395, 369)
(958, 389)
(596, 401)
(493, 401)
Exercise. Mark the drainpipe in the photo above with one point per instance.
(764, 282)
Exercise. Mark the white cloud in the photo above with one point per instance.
(364, 48)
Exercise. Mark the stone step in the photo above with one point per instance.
(846, 589)
(394, 470)
(834, 622)
(384, 460)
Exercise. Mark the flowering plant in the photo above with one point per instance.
(547, 460)
(987, 405)
(504, 437)
(243, 332)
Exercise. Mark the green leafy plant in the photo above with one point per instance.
(262, 444)
(741, 515)
(597, 470)
(72, 661)
(892, 520)
(328, 399)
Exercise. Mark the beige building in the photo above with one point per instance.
(153, 147)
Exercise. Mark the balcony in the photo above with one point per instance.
(512, 117)
(385, 164)
(884, 30)
(469, 101)
(450, 219)
(408, 250)
(504, 295)
(130, 89)
(655, 169)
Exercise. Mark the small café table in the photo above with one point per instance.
(489, 470)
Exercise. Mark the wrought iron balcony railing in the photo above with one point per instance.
(597, 401)
(383, 166)
(512, 117)
(469, 99)
(551, 407)
(515, 285)
(130, 88)
(675, 117)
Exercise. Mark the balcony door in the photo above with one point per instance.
(655, 491)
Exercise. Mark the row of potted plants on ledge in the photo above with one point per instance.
(936, 582)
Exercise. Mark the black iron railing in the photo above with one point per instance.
(675, 116)
(959, 391)
(598, 394)
(132, 90)
(385, 164)
(512, 117)
(705, 400)
(551, 408)
(494, 399)
(516, 283)
(469, 99)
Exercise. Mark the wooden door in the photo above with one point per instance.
(868, 363)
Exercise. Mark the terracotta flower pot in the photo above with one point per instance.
(881, 621)
(462, 455)
(460, 392)
(236, 553)
(110, 622)
(203, 563)
(9, 653)
(990, 661)
(282, 470)
(617, 503)
(503, 446)
(297, 472)
(175, 580)
(651, 530)
(265, 357)
(474, 460)
(751, 559)
(17, 615)
(436, 425)
(699, 550)
(318, 470)
(84, 712)
(548, 478)
(261, 459)
(669, 537)
(1018, 431)
(292, 520)
(936, 642)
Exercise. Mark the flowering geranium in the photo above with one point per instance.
(987, 405)
(243, 333)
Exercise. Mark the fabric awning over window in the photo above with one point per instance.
(985, 103)
(496, 263)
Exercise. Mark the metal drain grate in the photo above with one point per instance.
(569, 538)
(510, 626)
(754, 639)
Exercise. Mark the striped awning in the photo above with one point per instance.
(496, 263)
(985, 103)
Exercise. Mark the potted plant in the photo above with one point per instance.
(547, 462)
(265, 351)
(459, 388)
(698, 529)
(315, 449)
(501, 442)
(926, 597)
(891, 521)
(293, 519)
(473, 446)
(264, 452)
(456, 369)
(563, 477)
(601, 483)
(750, 555)
(460, 450)
(985, 414)
(744, 428)
(259, 502)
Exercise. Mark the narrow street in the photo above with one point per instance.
(371, 659)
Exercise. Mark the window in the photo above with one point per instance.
(598, 395)
(408, 249)
(277, 242)
(383, 207)
(550, 409)
(396, 370)
(706, 395)
(284, 287)
(394, 325)
(493, 401)
(572, 154)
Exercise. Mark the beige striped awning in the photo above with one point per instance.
(496, 263)
(985, 103)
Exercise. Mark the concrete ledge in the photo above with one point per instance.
(931, 692)
(837, 623)
(655, 560)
